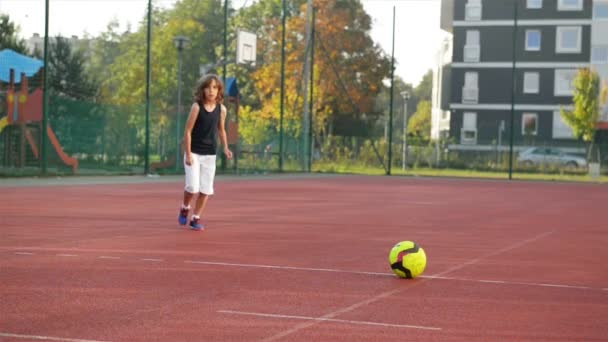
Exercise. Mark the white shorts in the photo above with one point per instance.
(200, 175)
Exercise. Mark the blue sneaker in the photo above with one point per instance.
(183, 216)
(195, 224)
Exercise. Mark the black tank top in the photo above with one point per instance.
(204, 132)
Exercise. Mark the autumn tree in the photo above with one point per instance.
(349, 69)
(583, 119)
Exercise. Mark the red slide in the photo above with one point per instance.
(73, 162)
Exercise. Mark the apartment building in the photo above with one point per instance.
(513, 63)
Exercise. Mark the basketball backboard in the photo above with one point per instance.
(245, 47)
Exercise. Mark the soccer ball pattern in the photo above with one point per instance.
(407, 259)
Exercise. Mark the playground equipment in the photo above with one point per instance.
(23, 122)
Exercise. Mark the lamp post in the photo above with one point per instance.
(406, 97)
(180, 43)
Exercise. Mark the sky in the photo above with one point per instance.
(417, 33)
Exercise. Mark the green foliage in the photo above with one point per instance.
(419, 125)
(8, 36)
(67, 74)
(424, 89)
(253, 129)
(583, 119)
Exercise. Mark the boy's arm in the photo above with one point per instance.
(221, 128)
(188, 131)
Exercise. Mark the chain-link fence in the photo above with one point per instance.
(318, 93)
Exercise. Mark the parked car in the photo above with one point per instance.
(550, 157)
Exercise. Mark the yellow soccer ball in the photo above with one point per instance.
(407, 259)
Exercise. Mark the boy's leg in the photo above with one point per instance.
(201, 202)
(192, 186)
(207, 175)
(185, 208)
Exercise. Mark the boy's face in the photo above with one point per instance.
(211, 91)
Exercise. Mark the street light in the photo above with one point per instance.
(406, 96)
(180, 43)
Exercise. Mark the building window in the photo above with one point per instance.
(532, 40)
(531, 82)
(569, 5)
(468, 133)
(599, 54)
(529, 124)
(473, 10)
(471, 48)
(564, 82)
(470, 90)
(534, 4)
(568, 39)
(561, 130)
(600, 10)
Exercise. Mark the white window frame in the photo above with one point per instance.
(596, 4)
(560, 129)
(558, 39)
(469, 126)
(472, 10)
(526, 115)
(531, 82)
(472, 46)
(562, 5)
(599, 54)
(540, 40)
(534, 4)
(558, 89)
(470, 89)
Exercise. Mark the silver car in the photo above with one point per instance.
(550, 156)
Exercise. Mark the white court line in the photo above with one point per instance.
(312, 269)
(491, 281)
(309, 269)
(283, 267)
(152, 260)
(506, 282)
(321, 319)
(392, 292)
(46, 338)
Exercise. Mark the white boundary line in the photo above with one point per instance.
(46, 338)
(392, 292)
(313, 269)
(258, 314)
(439, 277)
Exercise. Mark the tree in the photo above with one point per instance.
(584, 118)
(8, 36)
(120, 60)
(66, 72)
(424, 89)
(264, 19)
(349, 69)
(419, 125)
